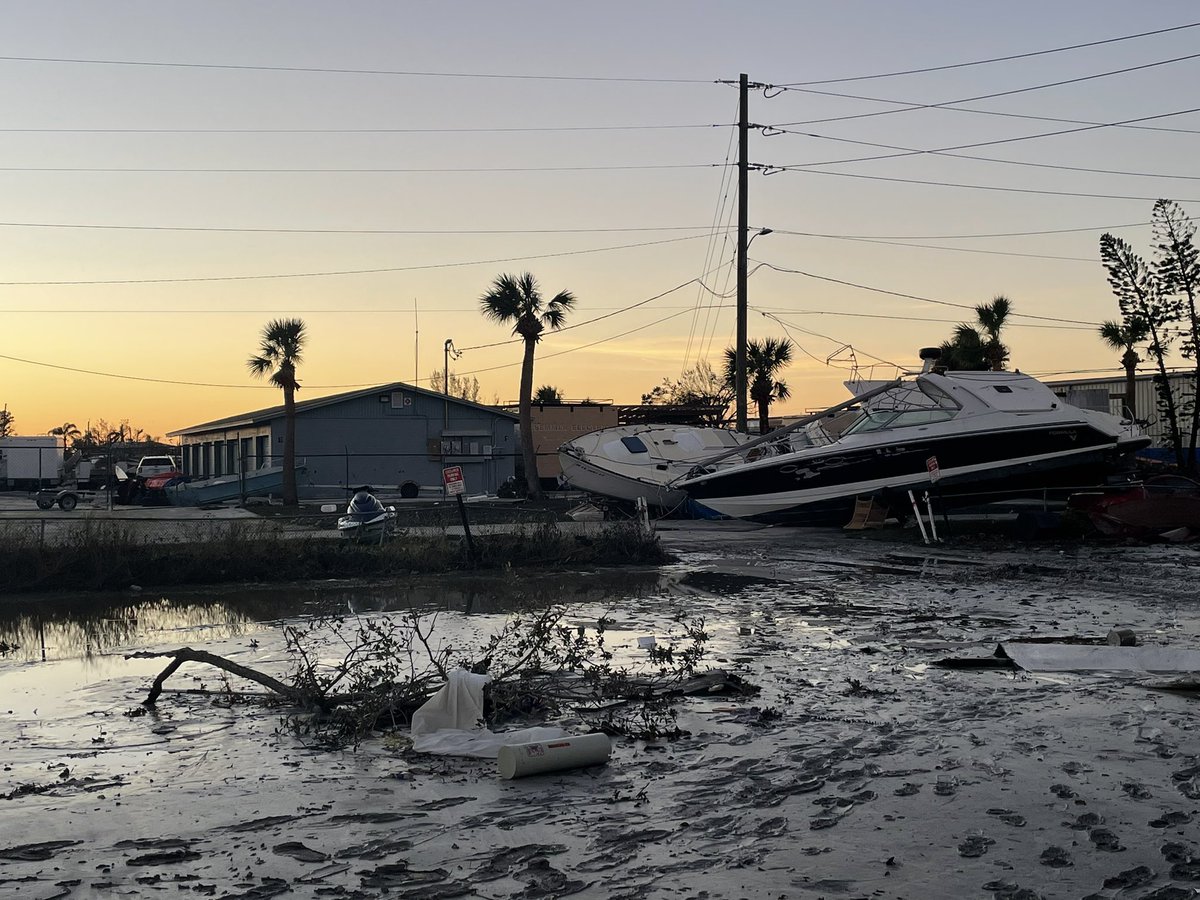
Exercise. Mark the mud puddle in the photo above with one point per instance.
(860, 770)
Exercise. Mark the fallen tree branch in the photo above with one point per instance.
(187, 654)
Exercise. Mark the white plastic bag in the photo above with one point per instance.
(458, 705)
(450, 723)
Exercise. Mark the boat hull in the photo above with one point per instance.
(632, 462)
(820, 488)
(355, 530)
(585, 476)
(228, 487)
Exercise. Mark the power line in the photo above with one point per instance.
(343, 272)
(587, 346)
(826, 337)
(623, 309)
(142, 378)
(917, 297)
(770, 131)
(175, 311)
(462, 130)
(949, 237)
(1078, 372)
(359, 171)
(996, 142)
(994, 59)
(718, 242)
(340, 71)
(982, 112)
(46, 365)
(981, 187)
(1062, 168)
(831, 312)
(1084, 259)
(909, 107)
(400, 231)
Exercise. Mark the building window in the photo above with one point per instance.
(466, 445)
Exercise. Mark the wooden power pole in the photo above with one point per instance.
(743, 227)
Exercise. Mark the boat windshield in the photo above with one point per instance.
(886, 419)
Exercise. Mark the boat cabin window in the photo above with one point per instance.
(634, 445)
(881, 420)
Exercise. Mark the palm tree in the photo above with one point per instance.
(548, 394)
(963, 352)
(66, 431)
(992, 317)
(978, 346)
(282, 343)
(1125, 336)
(764, 359)
(517, 300)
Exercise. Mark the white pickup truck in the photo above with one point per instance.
(155, 465)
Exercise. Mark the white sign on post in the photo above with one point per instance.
(452, 478)
(932, 465)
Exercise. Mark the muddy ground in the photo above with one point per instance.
(859, 771)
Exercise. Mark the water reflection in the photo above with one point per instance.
(88, 625)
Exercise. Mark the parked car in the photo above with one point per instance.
(155, 465)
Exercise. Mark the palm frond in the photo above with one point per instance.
(281, 347)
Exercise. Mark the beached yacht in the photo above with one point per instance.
(632, 461)
(974, 437)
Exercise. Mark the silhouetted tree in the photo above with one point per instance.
(698, 387)
(517, 300)
(978, 346)
(1126, 336)
(1140, 296)
(462, 386)
(280, 350)
(1177, 264)
(764, 360)
(66, 431)
(547, 394)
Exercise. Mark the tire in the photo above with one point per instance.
(44, 503)
(409, 490)
(68, 502)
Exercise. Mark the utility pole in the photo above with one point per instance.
(743, 226)
(448, 352)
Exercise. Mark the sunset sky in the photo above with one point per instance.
(176, 175)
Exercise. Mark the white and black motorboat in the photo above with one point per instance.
(639, 461)
(366, 519)
(983, 435)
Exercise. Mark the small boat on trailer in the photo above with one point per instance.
(982, 435)
(366, 519)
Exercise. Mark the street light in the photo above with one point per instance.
(740, 351)
(448, 351)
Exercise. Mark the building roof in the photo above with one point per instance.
(262, 416)
(1174, 374)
